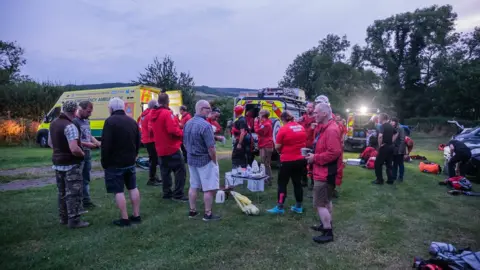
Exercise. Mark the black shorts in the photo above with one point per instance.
(117, 178)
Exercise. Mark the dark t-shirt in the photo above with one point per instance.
(387, 130)
(459, 147)
(241, 123)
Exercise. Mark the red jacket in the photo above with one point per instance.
(167, 134)
(264, 131)
(184, 120)
(144, 120)
(368, 153)
(307, 122)
(409, 143)
(218, 128)
(328, 153)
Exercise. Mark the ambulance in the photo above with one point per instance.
(136, 101)
(276, 101)
(359, 128)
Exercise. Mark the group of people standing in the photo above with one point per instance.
(311, 145)
(163, 135)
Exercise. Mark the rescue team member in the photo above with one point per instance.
(202, 161)
(326, 159)
(119, 150)
(367, 154)
(399, 151)
(181, 122)
(168, 136)
(460, 153)
(212, 118)
(309, 124)
(147, 140)
(386, 137)
(409, 142)
(64, 138)
(242, 139)
(88, 142)
(264, 130)
(289, 141)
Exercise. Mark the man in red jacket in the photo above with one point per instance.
(168, 136)
(325, 160)
(147, 140)
(185, 118)
(264, 130)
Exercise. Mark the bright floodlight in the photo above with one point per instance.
(363, 109)
(348, 110)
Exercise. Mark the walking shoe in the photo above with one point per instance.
(181, 199)
(376, 182)
(192, 214)
(298, 210)
(76, 224)
(211, 217)
(326, 237)
(122, 222)
(135, 220)
(276, 210)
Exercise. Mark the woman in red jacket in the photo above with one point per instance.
(291, 138)
(264, 130)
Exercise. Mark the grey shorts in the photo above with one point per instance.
(206, 178)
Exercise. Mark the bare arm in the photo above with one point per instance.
(278, 147)
(75, 149)
(213, 154)
(96, 142)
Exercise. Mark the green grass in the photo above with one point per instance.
(376, 227)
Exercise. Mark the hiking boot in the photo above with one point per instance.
(376, 182)
(317, 228)
(181, 199)
(76, 224)
(89, 205)
(276, 210)
(135, 220)
(192, 214)
(211, 217)
(326, 237)
(298, 210)
(122, 222)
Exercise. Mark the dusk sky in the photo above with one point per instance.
(222, 43)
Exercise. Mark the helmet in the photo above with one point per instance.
(322, 99)
(238, 109)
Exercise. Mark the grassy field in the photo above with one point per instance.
(376, 227)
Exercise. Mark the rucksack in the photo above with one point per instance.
(458, 183)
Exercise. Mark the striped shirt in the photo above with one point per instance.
(197, 139)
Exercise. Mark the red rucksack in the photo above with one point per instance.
(459, 183)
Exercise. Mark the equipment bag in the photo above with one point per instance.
(430, 167)
(458, 183)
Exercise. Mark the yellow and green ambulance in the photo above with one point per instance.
(136, 101)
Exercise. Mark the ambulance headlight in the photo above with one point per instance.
(363, 109)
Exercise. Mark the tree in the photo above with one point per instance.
(163, 74)
(11, 60)
(404, 48)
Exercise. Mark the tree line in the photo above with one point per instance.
(413, 64)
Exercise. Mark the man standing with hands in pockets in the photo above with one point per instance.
(325, 159)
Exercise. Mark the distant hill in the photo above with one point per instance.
(202, 91)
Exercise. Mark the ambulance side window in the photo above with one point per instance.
(52, 115)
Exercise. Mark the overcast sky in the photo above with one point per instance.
(230, 43)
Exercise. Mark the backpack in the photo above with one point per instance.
(458, 183)
(430, 167)
(371, 163)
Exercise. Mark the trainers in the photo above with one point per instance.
(326, 237)
(276, 210)
(376, 182)
(182, 199)
(77, 224)
(135, 220)
(298, 210)
(210, 217)
(192, 214)
(122, 222)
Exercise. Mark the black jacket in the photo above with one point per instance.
(120, 141)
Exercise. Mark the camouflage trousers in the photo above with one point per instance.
(70, 193)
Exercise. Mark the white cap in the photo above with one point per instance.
(322, 99)
(116, 104)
